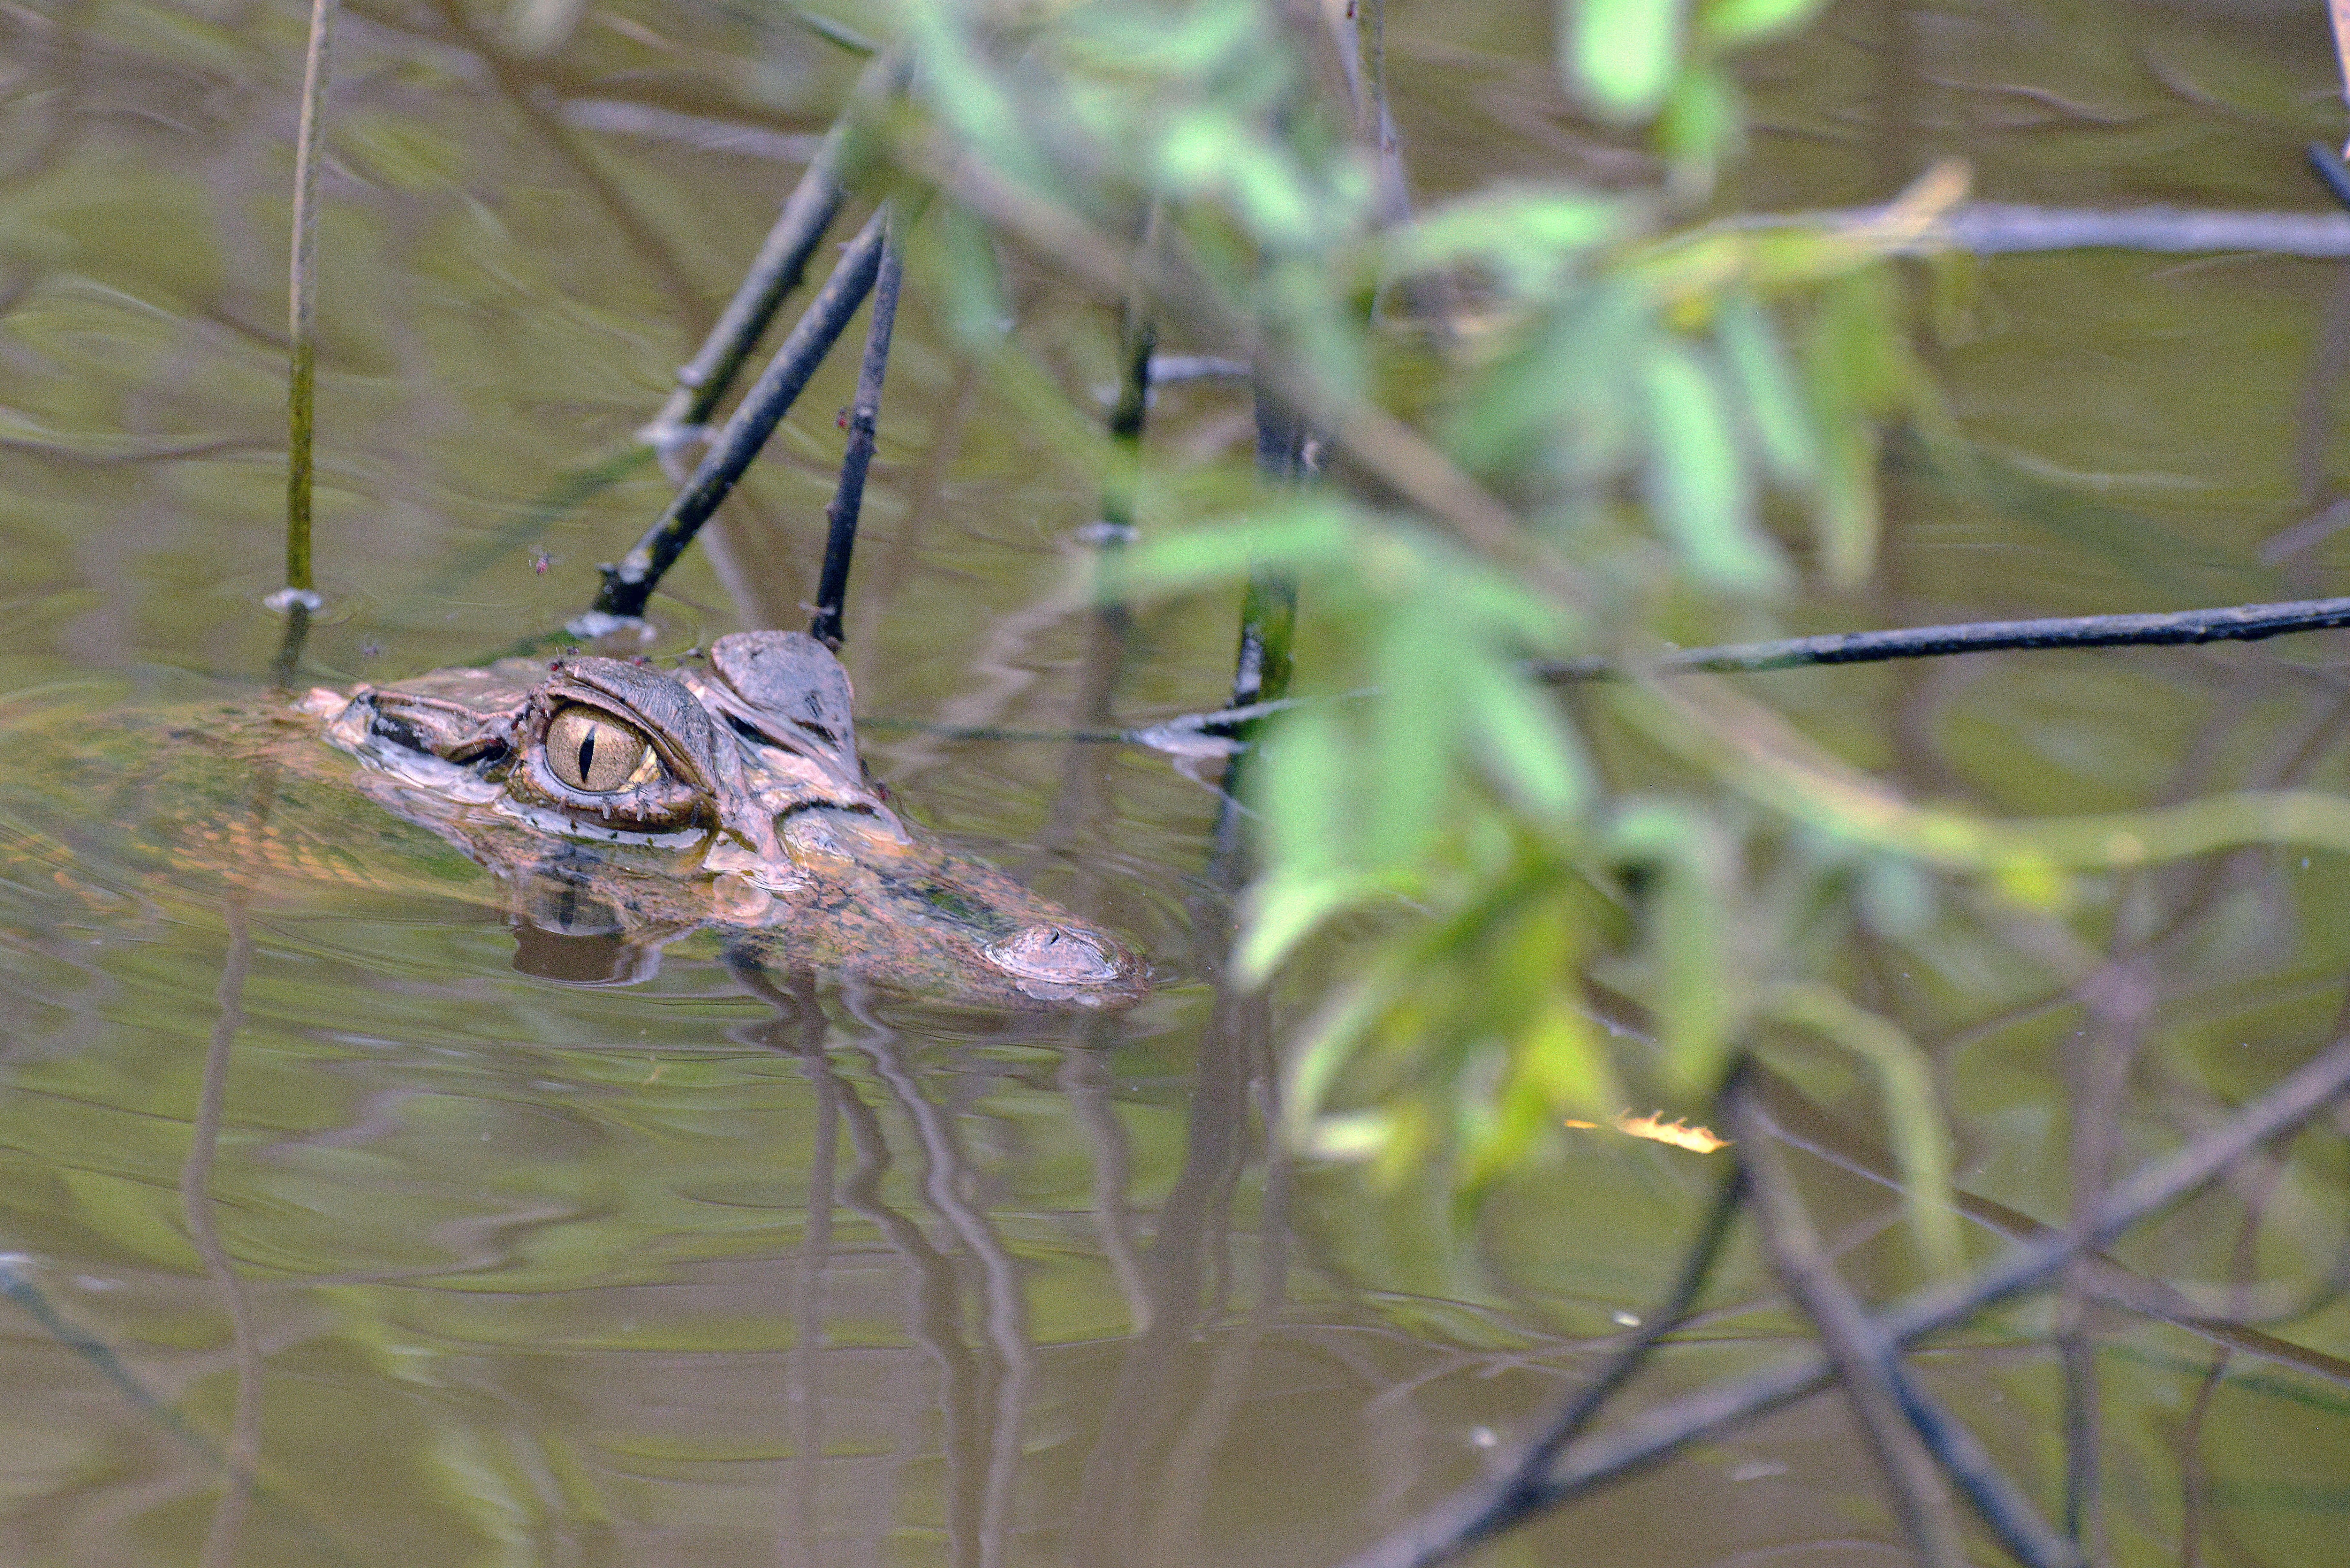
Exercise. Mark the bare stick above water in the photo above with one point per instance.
(864, 416)
(705, 379)
(298, 599)
(629, 585)
(2231, 623)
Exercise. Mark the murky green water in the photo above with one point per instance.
(486, 1268)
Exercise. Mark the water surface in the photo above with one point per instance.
(489, 1269)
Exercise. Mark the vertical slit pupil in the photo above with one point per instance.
(588, 754)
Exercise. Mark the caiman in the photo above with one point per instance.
(609, 807)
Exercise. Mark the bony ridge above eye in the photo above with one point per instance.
(591, 750)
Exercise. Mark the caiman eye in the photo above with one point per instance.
(595, 754)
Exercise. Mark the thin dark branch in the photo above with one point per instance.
(1999, 228)
(630, 584)
(1657, 1434)
(1865, 1361)
(775, 272)
(856, 458)
(2233, 623)
(1493, 1505)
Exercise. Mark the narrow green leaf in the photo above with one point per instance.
(1523, 740)
(1283, 910)
(1695, 476)
(1620, 55)
(1844, 519)
(1328, 1041)
(1416, 718)
(1528, 237)
(1768, 390)
(1703, 121)
(1174, 563)
(1689, 916)
(1906, 1078)
(1306, 789)
(1735, 22)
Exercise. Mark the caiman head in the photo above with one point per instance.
(623, 805)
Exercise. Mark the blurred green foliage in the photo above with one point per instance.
(1560, 421)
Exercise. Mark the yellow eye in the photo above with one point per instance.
(595, 754)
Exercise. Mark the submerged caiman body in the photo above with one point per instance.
(608, 807)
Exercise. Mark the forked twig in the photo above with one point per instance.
(1865, 1361)
(703, 381)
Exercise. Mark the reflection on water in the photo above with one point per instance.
(349, 1223)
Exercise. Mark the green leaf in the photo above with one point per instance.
(1688, 934)
(1324, 1048)
(1310, 535)
(1305, 793)
(1524, 741)
(1771, 396)
(1735, 22)
(1416, 717)
(969, 277)
(1621, 55)
(1528, 237)
(1695, 476)
(1703, 122)
(1906, 1078)
(1283, 910)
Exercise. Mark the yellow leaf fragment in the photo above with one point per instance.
(1655, 1129)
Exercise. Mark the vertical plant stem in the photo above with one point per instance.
(864, 416)
(1269, 608)
(297, 598)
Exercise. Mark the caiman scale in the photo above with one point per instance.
(617, 807)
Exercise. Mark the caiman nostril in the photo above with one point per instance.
(1054, 953)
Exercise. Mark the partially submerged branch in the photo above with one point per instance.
(1909, 1431)
(703, 381)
